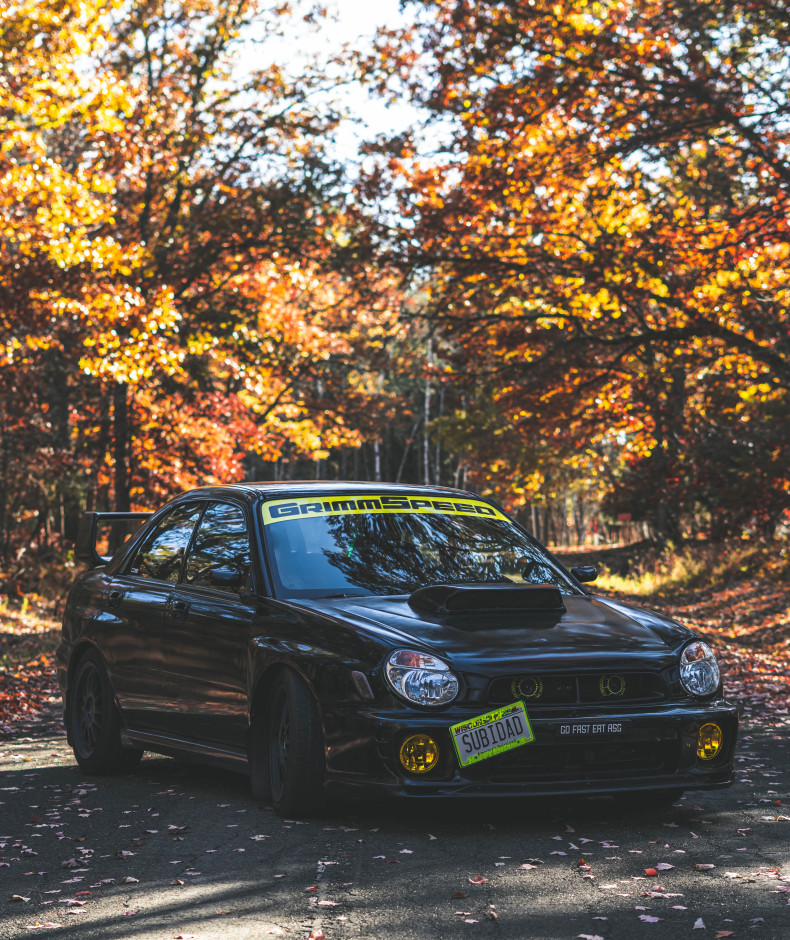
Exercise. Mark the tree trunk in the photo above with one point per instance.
(377, 460)
(120, 412)
(4, 508)
(426, 452)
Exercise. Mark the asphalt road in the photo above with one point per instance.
(183, 851)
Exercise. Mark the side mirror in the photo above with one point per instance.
(226, 577)
(585, 573)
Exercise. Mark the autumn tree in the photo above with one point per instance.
(169, 218)
(51, 214)
(604, 219)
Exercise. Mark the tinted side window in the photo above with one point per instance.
(221, 548)
(162, 553)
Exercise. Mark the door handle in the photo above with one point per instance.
(177, 610)
(114, 598)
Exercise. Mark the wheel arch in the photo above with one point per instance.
(260, 699)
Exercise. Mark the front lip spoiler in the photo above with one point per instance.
(424, 790)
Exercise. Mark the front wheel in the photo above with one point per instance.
(94, 723)
(296, 748)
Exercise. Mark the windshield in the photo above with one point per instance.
(359, 547)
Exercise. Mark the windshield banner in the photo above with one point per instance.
(278, 510)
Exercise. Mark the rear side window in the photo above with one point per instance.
(220, 555)
(162, 553)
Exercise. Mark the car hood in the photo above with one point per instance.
(591, 629)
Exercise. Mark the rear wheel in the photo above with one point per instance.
(94, 722)
(296, 748)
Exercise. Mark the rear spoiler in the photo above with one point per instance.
(115, 528)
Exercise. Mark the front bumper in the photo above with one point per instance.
(656, 749)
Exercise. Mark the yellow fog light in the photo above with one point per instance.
(419, 754)
(709, 741)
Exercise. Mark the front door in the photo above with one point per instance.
(206, 637)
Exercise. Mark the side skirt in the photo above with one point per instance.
(184, 747)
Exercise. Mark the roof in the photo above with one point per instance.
(328, 487)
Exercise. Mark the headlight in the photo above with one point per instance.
(421, 678)
(699, 671)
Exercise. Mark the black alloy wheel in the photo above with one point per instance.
(296, 748)
(94, 722)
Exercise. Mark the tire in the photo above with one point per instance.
(258, 757)
(296, 749)
(94, 722)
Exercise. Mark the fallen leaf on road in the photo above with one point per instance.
(699, 924)
(649, 919)
(477, 880)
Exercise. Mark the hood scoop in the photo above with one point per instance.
(444, 599)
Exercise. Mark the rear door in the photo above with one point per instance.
(135, 603)
(207, 633)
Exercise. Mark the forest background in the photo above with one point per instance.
(565, 283)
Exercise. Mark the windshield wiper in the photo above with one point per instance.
(344, 594)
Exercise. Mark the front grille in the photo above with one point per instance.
(604, 688)
(573, 761)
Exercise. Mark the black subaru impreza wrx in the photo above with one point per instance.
(342, 638)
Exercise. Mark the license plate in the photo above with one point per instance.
(491, 734)
(590, 729)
